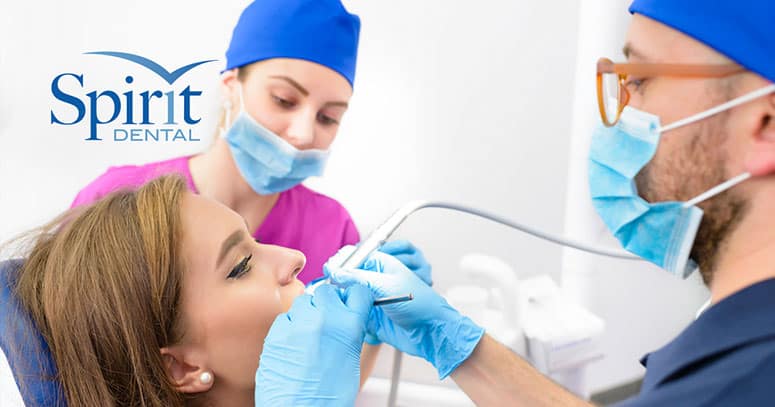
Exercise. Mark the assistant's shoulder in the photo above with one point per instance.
(127, 176)
(114, 178)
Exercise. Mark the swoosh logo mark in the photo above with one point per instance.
(168, 76)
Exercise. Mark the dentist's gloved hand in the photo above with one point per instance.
(427, 326)
(411, 256)
(403, 250)
(312, 353)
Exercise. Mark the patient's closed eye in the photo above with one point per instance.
(241, 268)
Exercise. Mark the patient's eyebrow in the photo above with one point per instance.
(231, 241)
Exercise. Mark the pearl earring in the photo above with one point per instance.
(206, 377)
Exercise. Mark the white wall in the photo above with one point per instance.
(468, 101)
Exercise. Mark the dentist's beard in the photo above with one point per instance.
(693, 168)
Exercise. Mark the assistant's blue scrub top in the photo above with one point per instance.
(724, 358)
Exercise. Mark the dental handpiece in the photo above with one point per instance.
(381, 234)
(371, 244)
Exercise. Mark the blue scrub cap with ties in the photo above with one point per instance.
(320, 31)
(742, 30)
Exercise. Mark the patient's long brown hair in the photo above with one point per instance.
(103, 285)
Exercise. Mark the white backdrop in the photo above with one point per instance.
(468, 101)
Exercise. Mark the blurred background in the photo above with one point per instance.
(487, 103)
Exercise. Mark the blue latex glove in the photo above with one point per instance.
(427, 326)
(312, 354)
(403, 250)
(411, 257)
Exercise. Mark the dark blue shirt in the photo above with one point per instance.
(724, 358)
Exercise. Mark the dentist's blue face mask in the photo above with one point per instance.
(268, 163)
(663, 232)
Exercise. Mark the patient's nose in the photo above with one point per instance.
(290, 264)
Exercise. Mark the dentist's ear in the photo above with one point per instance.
(760, 160)
(186, 374)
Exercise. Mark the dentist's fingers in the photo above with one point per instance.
(336, 260)
(359, 299)
(375, 282)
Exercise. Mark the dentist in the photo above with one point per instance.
(682, 171)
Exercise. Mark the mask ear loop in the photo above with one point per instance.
(227, 110)
(717, 189)
(241, 99)
(720, 108)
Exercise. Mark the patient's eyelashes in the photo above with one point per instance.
(241, 268)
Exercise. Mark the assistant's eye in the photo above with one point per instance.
(326, 120)
(284, 103)
(241, 268)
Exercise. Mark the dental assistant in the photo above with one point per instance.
(682, 172)
(289, 75)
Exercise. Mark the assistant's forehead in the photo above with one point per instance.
(313, 76)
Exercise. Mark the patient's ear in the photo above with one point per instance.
(187, 374)
(760, 160)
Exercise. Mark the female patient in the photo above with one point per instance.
(156, 297)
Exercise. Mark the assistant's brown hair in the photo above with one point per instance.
(103, 285)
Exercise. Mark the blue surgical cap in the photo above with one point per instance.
(743, 30)
(321, 31)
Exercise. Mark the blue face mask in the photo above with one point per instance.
(663, 232)
(268, 163)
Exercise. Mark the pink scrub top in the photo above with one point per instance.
(302, 219)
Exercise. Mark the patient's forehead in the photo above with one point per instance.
(206, 224)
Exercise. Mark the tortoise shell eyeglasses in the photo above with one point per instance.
(612, 93)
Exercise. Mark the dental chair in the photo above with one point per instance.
(28, 355)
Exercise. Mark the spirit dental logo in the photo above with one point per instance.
(134, 126)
